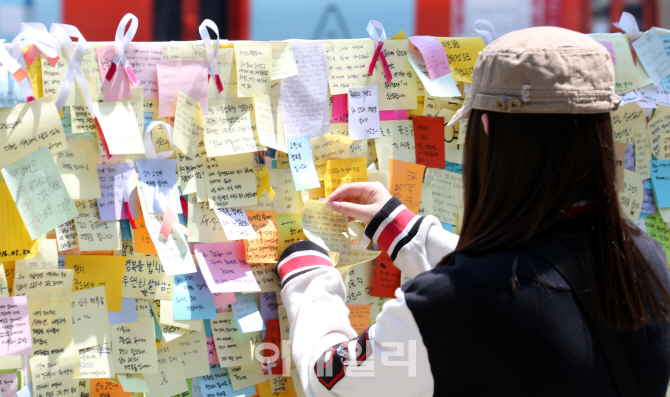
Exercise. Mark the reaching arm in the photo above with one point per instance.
(387, 359)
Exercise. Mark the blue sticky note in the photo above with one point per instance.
(61, 261)
(66, 120)
(125, 229)
(26, 391)
(246, 313)
(208, 328)
(128, 313)
(148, 118)
(665, 39)
(448, 227)
(453, 167)
(660, 181)
(159, 184)
(191, 298)
(302, 163)
(217, 383)
(10, 92)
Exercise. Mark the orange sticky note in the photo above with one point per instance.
(406, 181)
(359, 317)
(429, 140)
(107, 388)
(141, 239)
(94, 271)
(264, 248)
(387, 277)
(339, 172)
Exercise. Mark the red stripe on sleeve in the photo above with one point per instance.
(393, 229)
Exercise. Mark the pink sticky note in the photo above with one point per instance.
(189, 76)
(118, 88)
(610, 48)
(224, 299)
(211, 351)
(386, 115)
(9, 384)
(433, 54)
(15, 335)
(340, 111)
(225, 268)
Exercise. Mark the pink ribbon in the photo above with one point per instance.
(379, 54)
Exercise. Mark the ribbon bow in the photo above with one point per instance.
(64, 34)
(120, 44)
(149, 149)
(212, 66)
(264, 174)
(488, 34)
(372, 31)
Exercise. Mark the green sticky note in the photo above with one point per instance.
(39, 192)
(658, 230)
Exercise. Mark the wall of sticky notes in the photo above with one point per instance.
(146, 195)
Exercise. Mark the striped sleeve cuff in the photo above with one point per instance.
(299, 258)
(393, 227)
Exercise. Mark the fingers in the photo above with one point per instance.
(353, 191)
(360, 212)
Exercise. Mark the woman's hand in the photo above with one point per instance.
(360, 200)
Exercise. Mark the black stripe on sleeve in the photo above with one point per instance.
(408, 238)
(294, 275)
(379, 217)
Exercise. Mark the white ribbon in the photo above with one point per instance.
(628, 25)
(212, 66)
(64, 34)
(372, 31)
(488, 34)
(121, 42)
(32, 34)
(149, 149)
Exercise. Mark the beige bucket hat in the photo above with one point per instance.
(542, 70)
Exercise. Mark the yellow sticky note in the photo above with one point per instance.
(396, 142)
(225, 60)
(233, 347)
(642, 154)
(96, 270)
(54, 373)
(348, 62)
(290, 230)
(15, 242)
(659, 133)
(29, 126)
(283, 61)
(401, 92)
(269, 124)
(462, 53)
(629, 75)
(92, 233)
(51, 327)
(339, 172)
(145, 278)
(325, 227)
(82, 121)
(43, 285)
(446, 196)
(632, 195)
(626, 121)
(230, 180)
(254, 63)
(188, 125)
(134, 350)
(35, 75)
(193, 352)
(406, 180)
(119, 125)
(77, 167)
(169, 378)
(228, 128)
(327, 147)
(89, 318)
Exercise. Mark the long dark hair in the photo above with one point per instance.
(523, 178)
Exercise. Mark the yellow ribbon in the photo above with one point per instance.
(264, 174)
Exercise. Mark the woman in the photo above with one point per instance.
(494, 313)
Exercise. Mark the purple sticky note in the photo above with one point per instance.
(15, 335)
(113, 179)
(128, 313)
(610, 48)
(224, 267)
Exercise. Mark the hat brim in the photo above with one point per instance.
(461, 114)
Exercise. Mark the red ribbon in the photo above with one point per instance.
(380, 55)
